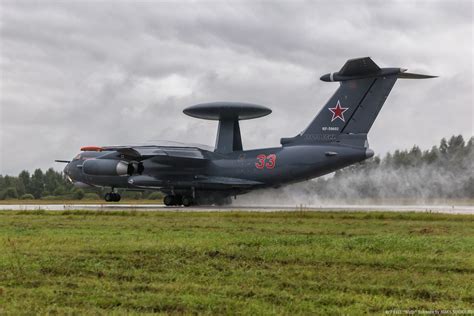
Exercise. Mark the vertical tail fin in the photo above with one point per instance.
(351, 111)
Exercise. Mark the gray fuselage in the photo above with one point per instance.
(260, 168)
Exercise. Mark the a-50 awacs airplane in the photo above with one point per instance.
(336, 138)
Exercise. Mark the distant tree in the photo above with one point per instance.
(24, 179)
(470, 143)
(415, 156)
(10, 193)
(469, 149)
(431, 156)
(91, 196)
(51, 181)
(388, 160)
(37, 183)
(155, 196)
(27, 197)
(443, 146)
(401, 158)
(7, 182)
(78, 194)
(60, 190)
(132, 195)
(455, 144)
(370, 164)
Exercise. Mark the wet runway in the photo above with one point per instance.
(447, 209)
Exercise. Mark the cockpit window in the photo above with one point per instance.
(78, 157)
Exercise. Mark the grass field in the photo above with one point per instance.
(234, 262)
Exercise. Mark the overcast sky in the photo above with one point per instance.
(77, 73)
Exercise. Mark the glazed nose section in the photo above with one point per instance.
(66, 169)
(71, 171)
(67, 172)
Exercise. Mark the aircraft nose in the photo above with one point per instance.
(67, 169)
(71, 175)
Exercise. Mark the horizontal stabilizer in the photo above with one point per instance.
(359, 67)
(363, 68)
(408, 75)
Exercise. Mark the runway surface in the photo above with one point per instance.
(447, 209)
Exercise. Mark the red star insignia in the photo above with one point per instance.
(338, 112)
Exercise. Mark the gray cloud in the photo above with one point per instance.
(108, 72)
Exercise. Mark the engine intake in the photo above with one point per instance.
(135, 168)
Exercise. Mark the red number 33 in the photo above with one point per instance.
(264, 161)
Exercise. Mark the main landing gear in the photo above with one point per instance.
(188, 200)
(175, 200)
(112, 197)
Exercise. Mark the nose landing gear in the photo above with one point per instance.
(112, 197)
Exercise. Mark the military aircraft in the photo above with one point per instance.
(199, 175)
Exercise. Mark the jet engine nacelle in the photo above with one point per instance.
(108, 167)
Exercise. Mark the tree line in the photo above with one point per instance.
(54, 185)
(444, 171)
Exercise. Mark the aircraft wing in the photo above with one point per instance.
(180, 156)
(191, 156)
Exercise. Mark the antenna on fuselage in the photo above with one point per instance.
(228, 114)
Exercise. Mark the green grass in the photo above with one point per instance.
(234, 262)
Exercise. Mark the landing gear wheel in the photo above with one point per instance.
(112, 197)
(108, 197)
(117, 197)
(187, 201)
(169, 200)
